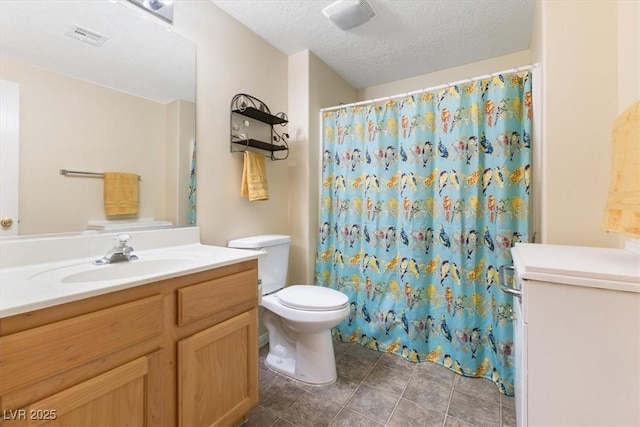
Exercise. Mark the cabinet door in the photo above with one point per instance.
(126, 395)
(218, 373)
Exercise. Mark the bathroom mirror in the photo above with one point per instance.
(103, 86)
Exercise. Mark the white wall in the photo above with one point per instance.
(232, 59)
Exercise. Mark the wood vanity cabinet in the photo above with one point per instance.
(218, 365)
(216, 373)
(182, 351)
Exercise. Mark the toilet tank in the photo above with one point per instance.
(272, 268)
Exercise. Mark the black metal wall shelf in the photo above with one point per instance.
(249, 106)
(254, 143)
(262, 116)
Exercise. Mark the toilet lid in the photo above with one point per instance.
(309, 297)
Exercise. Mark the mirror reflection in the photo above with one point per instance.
(96, 87)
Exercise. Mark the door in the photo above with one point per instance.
(218, 373)
(9, 156)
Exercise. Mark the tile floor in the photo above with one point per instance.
(378, 389)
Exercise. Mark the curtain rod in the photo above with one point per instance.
(429, 89)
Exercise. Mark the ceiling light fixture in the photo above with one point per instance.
(161, 8)
(347, 14)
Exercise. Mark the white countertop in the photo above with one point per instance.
(606, 268)
(27, 286)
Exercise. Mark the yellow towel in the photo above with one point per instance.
(622, 211)
(121, 193)
(254, 177)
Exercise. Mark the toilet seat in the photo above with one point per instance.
(312, 298)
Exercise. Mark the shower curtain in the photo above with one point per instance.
(422, 199)
(191, 197)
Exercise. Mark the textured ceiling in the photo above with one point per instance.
(406, 38)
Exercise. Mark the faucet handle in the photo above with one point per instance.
(122, 240)
(123, 237)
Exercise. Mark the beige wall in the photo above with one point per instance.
(628, 53)
(180, 132)
(66, 123)
(628, 69)
(577, 45)
(300, 214)
(535, 52)
(327, 89)
(231, 59)
(312, 86)
(448, 75)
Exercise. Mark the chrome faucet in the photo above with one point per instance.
(120, 252)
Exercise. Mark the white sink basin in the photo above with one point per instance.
(123, 270)
(88, 272)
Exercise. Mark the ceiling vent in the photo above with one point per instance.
(347, 14)
(86, 36)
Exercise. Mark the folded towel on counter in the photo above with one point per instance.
(254, 177)
(121, 193)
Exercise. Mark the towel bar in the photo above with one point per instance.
(67, 172)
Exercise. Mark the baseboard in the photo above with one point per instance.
(263, 339)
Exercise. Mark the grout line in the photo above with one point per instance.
(291, 406)
(335, 416)
(393, 411)
(376, 388)
(446, 413)
(365, 416)
(413, 373)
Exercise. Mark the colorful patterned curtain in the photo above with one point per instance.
(191, 206)
(422, 199)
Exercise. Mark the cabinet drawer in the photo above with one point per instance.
(210, 297)
(37, 353)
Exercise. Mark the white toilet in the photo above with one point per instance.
(299, 318)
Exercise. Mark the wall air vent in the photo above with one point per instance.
(86, 36)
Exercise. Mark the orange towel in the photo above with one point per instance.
(254, 177)
(622, 211)
(121, 193)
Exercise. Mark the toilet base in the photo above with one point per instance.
(283, 366)
(313, 363)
